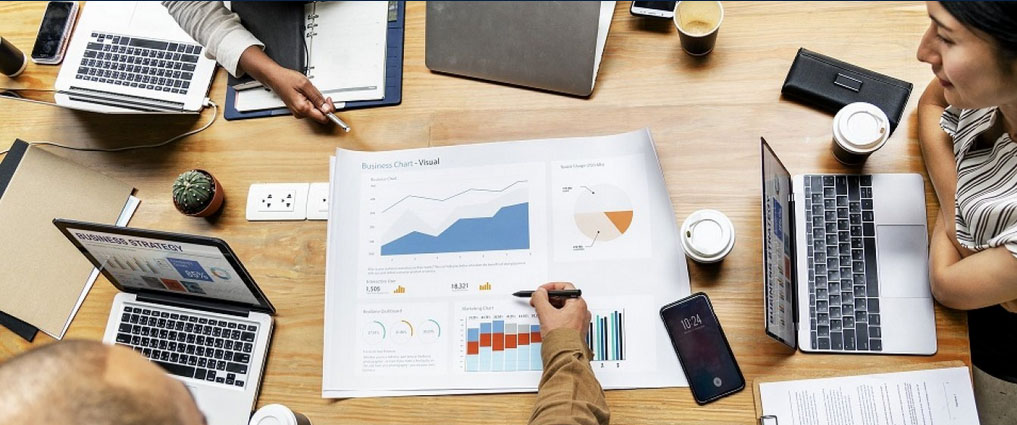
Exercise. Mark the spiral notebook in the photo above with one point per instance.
(346, 49)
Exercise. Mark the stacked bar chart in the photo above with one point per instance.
(606, 337)
(502, 346)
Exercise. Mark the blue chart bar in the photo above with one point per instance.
(509, 228)
(607, 337)
(473, 341)
(535, 362)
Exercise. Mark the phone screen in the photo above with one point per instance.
(54, 21)
(656, 5)
(702, 348)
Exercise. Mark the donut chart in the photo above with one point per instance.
(603, 212)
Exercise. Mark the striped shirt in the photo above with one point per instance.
(986, 210)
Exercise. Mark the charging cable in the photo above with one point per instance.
(207, 102)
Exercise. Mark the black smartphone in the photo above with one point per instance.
(702, 348)
(54, 32)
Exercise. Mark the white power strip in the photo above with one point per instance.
(287, 201)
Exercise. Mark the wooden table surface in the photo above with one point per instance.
(706, 116)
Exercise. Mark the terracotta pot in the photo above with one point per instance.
(218, 196)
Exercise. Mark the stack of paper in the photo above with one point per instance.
(426, 246)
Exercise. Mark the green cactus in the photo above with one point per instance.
(192, 191)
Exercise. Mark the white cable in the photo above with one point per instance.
(215, 113)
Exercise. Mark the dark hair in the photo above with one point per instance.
(998, 19)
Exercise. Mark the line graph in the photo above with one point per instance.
(472, 189)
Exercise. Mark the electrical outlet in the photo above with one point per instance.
(277, 201)
(281, 201)
(317, 201)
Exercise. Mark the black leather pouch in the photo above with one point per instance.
(829, 84)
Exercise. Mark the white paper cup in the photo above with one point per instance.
(277, 414)
(859, 129)
(707, 236)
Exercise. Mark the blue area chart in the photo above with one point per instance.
(507, 229)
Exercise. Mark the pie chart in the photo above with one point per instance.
(603, 212)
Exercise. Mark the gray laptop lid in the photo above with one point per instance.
(546, 45)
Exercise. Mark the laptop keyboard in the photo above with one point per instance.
(843, 282)
(149, 64)
(189, 345)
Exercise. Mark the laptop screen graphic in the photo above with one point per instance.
(166, 266)
(778, 239)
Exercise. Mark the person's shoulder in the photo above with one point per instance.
(959, 122)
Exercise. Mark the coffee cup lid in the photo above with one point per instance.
(707, 235)
(861, 127)
(274, 414)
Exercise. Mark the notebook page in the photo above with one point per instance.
(346, 41)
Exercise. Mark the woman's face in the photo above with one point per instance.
(965, 63)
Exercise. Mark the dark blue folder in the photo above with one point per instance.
(393, 77)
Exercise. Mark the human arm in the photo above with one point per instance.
(236, 49)
(979, 280)
(937, 147)
(568, 392)
(216, 28)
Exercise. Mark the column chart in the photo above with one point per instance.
(502, 346)
(606, 337)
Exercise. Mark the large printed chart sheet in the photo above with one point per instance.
(426, 247)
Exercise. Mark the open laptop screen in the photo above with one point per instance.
(778, 255)
(161, 265)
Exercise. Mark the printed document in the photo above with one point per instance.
(426, 246)
(934, 396)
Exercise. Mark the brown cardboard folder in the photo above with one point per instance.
(43, 274)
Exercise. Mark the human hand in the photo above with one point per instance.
(1010, 306)
(296, 91)
(555, 313)
(300, 96)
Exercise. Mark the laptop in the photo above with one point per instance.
(132, 57)
(188, 305)
(846, 261)
(554, 46)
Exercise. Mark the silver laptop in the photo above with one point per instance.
(188, 305)
(132, 57)
(554, 46)
(846, 261)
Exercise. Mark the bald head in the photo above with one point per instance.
(86, 382)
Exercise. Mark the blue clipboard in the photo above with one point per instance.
(393, 77)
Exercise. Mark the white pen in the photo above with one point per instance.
(338, 121)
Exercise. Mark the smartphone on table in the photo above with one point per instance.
(702, 348)
(653, 9)
(54, 32)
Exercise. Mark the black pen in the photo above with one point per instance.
(565, 293)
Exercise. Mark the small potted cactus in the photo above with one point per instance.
(197, 193)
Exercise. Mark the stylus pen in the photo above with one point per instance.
(565, 293)
(338, 121)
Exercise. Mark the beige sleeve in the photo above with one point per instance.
(569, 392)
(216, 28)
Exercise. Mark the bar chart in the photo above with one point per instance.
(606, 337)
(503, 346)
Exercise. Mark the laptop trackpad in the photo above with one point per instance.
(903, 261)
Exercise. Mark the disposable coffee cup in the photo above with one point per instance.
(707, 236)
(12, 60)
(277, 414)
(698, 23)
(859, 129)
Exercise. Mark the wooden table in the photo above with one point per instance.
(706, 116)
